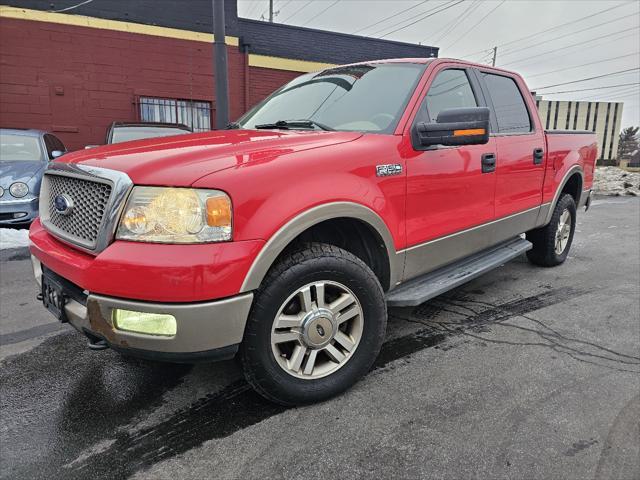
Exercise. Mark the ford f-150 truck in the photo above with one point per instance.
(284, 237)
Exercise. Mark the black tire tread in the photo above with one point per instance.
(303, 254)
(543, 239)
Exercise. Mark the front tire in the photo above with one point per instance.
(315, 328)
(552, 242)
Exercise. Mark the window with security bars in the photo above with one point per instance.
(193, 113)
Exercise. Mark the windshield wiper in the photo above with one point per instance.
(232, 126)
(293, 124)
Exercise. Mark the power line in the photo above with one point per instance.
(318, 14)
(593, 88)
(391, 16)
(589, 78)
(592, 46)
(572, 22)
(285, 4)
(297, 11)
(453, 24)
(422, 18)
(447, 27)
(509, 52)
(621, 92)
(476, 24)
(572, 45)
(380, 30)
(254, 6)
(635, 54)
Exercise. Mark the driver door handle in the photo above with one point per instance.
(488, 162)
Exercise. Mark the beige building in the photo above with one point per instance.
(604, 118)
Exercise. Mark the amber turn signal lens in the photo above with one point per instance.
(471, 131)
(218, 212)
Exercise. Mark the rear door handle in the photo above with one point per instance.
(538, 156)
(488, 162)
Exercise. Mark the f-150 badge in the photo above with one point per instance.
(386, 170)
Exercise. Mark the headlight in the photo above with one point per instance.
(176, 215)
(19, 189)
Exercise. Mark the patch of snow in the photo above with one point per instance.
(10, 238)
(616, 181)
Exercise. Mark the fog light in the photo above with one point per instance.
(140, 322)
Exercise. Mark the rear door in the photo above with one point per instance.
(519, 146)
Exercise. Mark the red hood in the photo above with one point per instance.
(183, 159)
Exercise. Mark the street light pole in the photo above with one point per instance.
(271, 11)
(220, 61)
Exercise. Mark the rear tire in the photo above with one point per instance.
(552, 242)
(315, 328)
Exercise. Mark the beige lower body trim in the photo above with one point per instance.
(428, 256)
(201, 326)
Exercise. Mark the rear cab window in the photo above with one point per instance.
(510, 110)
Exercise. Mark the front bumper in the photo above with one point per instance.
(18, 211)
(205, 330)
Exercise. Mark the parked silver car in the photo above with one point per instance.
(24, 154)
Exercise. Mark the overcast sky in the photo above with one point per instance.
(524, 31)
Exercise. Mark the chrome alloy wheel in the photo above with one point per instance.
(317, 330)
(563, 232)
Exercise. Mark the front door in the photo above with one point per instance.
(447, 191)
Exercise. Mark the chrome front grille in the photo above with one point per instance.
(81, 205)
(90, 200)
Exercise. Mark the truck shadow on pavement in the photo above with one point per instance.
(100, 399)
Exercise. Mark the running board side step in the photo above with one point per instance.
(420, 289)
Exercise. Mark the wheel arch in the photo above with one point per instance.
(571, 183)
(389, 271)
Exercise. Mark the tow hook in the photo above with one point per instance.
(97, 344)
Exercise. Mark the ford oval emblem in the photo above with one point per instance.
(63, 204)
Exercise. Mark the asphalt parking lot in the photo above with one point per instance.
(523, 373)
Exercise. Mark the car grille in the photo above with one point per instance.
(90, 200)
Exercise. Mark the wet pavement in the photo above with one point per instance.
(522, 373)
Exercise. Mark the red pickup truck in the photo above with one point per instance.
(285, 237)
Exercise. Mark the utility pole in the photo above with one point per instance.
(271, 11)
(495, 54)
(220, 62)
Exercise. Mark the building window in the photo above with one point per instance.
(566, 127)
(575, 116)
(193, 113)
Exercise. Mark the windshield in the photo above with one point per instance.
(366, 98)
(125, 134)
(19, 148)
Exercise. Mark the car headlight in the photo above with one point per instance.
(176, 215)
(19, 189)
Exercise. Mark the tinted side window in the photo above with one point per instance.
(511, 112)
(450, 89)
(57, 143)
(49, 143)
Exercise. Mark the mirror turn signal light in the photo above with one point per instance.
(470, 131)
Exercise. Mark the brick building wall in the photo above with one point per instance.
(74, 75)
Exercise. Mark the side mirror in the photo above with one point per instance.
(455, 126)
(56, 153)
